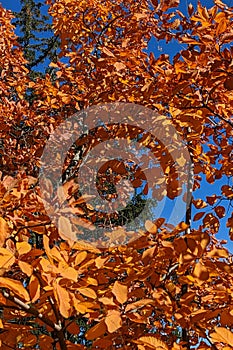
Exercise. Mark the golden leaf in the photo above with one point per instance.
(68, 272)
(82, 245)
(84, 306)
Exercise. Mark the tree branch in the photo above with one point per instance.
(43, 56)
(33, 311)
(210, 110)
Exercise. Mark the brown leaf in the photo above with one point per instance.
(228, 83)
(220, 211)
(198, 216)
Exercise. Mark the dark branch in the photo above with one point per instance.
(45, 54)
(33, 311)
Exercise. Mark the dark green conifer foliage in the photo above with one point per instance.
(40, 45)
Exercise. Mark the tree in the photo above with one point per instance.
(36, 35)
(171, 287)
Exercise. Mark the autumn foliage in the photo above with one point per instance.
(172, 288)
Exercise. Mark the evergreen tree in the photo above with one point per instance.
(40, 45)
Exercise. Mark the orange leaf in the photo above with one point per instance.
(7, 259)
(23, 247)
(71, 346)
(28, 340)
(150, 226)
(87, 292)
(113, 320)
(222, 26)
(34, 288)
(73, 328)
(107, 301)
(84, 306)
(201, 272)
(14, 286)
(152, 342)
(138, 304)
(65, 229)
(107, 52)
(82, 245)
(96, 331)
(63, 299)
(26, 268)
(222, 335)
(4, 231)
(120, 291)
(80, 257)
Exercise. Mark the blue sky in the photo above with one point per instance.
(14, 5)
(171, 49)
